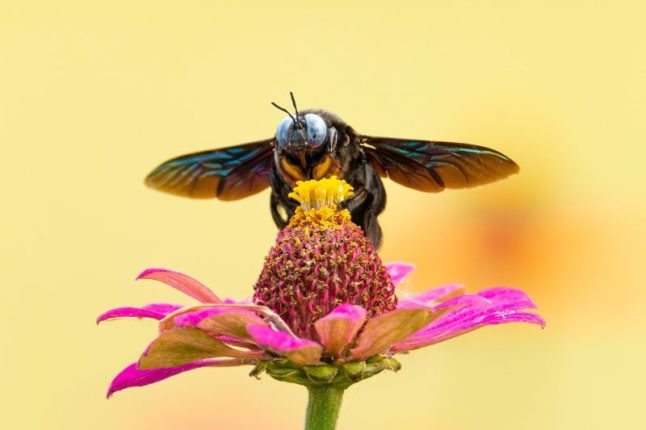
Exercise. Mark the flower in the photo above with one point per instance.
(324, 312)
(320, 261)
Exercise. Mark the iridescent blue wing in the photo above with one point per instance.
(228, 173)
(433, 166)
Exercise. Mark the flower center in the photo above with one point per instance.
(322, 260)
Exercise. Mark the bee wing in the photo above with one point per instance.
(433, 166)
(228, 173)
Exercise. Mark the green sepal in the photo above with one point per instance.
(340, 375)
(325, 373)
(354, 370)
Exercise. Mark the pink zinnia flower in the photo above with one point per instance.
(324, 312)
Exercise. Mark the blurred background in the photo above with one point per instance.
(93, 95)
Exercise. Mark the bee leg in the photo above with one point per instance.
(367, 204)
(363, 212)
(355, 202)
(376, 206)
(372, 228)
(279, 212)
(375, 203)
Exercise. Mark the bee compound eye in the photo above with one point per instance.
(282, 132)
(316, 130)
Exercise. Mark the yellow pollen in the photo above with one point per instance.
(317, 194)
(325, 218)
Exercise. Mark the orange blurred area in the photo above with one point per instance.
(94, 95)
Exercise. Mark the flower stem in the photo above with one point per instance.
(323, 407)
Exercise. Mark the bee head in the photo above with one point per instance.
(298, 133)
(307, 132)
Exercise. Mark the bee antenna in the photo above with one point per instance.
(299, 124)
(284, 110)
(291, 94)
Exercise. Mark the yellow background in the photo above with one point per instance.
(95, 94)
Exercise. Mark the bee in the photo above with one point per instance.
(315, 144)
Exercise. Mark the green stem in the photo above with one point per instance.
(323, 407)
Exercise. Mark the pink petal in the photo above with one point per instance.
(193, 317)
(267, 314)
(382, 331)
(163, 308)
(183, 283)
(155, 311)
(429, 298)
(237, 341)
(131, 376)
(508, 298)
(490, 301)
(221, 321)
(398, 271)
(440, 336)
(338, 328)
(300, 351)
(464, 301)
(471, 311)
(184, 345)
(230, 301)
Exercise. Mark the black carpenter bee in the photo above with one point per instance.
(316, 143)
